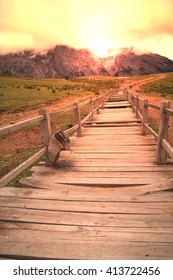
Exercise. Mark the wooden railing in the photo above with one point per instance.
(140, 106)
(95, 104)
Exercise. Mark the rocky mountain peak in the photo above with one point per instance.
(64, 61)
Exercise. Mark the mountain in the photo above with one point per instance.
(65, 62)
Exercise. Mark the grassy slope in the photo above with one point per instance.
(17, 94)
(160, 88)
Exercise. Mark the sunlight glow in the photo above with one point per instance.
(93, 24)
(100, 47)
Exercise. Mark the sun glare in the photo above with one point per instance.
(100, 47)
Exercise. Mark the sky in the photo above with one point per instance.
(103, 26)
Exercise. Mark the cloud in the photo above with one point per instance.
(145, 24)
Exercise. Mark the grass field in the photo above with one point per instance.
(161, 88)
(17, 94)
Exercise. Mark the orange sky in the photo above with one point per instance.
(100, 25)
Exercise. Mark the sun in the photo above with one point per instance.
(100, 47)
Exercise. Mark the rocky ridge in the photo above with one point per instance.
(66, 62)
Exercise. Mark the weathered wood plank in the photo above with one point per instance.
(88, 207)
(50, 191)
(117, 181)
(42, 171)
(90, 234)
(91, 230)
(91, 219)
(133, 169)
(86, 250)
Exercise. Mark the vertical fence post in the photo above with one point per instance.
(133, 102)
(137, 105)
(45, 130)
(161, 155)
(91, 108)
(98, 105)
(125, 93)
(144, 116)
(78, 118)
(103, 100)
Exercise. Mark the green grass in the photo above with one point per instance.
(161, 88)
(17, 94)
(9, 162)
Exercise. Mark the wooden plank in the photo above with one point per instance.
(134, 169)
(102, 162)
(88, 207)
(90, 219)
(101, 159)
(37, 189)
(90, 234)
(113, 125)
(92, 231)
(86, 250)
(69, 155)
(114, 149)
(113, 121)
(42, 171)
(117, 106)
(117, 181)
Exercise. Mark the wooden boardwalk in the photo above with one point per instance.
(105, 198)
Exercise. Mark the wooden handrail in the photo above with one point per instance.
(12, 174)
(153, 106)
(62, 111)
(163, 146)
(169, 111)
(17, 126)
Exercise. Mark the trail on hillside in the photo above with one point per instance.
(136, 84)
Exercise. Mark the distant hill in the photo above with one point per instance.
(66, 62)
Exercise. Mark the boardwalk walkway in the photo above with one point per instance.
(105, 199)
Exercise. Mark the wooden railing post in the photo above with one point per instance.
(103, 100)
(137, 105)
(161, 155)
(133, 102)
(45, 130)
(125, 92)
(78, 118)
(98, 105)
(144, 116)
(91, 108)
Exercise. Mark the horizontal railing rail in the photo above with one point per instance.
(140, 106)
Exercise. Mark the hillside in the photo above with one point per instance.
(66, 62)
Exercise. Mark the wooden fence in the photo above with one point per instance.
(95, 104)
(140, 107)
